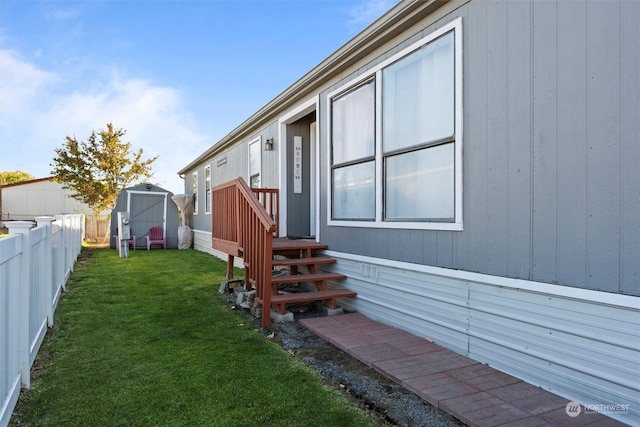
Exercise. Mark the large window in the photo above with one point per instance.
(396, 140)
(207, 189)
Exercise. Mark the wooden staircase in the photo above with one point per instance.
(297, 255)
(244, 223)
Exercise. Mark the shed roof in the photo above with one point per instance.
(30, 181)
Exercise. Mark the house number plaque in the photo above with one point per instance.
(297, 165)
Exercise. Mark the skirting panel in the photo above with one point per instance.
(582, 345)
(202, 242)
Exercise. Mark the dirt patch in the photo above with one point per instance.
(99, 244)
(360, 384)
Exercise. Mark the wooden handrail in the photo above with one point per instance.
(242, 226)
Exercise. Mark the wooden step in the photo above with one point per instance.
(297, 248)
(279, 302)
(303, 261)
(292, 244)
(297, 278)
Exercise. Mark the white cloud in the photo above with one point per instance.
(20, 83)
(40, 110)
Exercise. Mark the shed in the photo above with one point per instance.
(148, 205)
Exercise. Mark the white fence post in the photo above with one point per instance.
(79, 237)
(63, 237)
(47, 277)
(23, 228)
(10, 373)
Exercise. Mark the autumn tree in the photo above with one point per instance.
(96, 170)
(11, 177)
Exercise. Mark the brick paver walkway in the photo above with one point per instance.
(470, 391)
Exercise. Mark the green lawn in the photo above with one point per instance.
(147, 341)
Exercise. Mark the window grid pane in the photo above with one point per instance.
(418, 96)
(420, 185)
(353, 125)
(354, 192)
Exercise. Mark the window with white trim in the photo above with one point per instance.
(207, 189)
(195, 192)
(396, 140)
(255, 162)
(353, 154)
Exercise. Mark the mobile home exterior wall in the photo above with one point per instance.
(551, 153)
(550, 205)
(231, 163)
(540, 274)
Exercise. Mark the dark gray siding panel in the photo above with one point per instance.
(630, 153)
(429, 245)
(446, 254)
(472, 250)
(497, 140)
(380, 241)
(603, 145)
(572, 137)
(518, 173)
(405, 250)
(550, 161)
(545, 141)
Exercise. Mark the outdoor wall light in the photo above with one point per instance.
(148, 186)
(268, 145)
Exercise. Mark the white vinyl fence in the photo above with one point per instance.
(35, 263)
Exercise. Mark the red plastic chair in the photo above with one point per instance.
(156, 237)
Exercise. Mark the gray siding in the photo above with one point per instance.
(235, 160)
(231, 164)
(551, 149)
(200, 219)
(271, 159)
(630, 153)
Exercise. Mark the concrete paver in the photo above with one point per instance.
(475, 393)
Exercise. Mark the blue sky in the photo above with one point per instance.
(177, 75)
